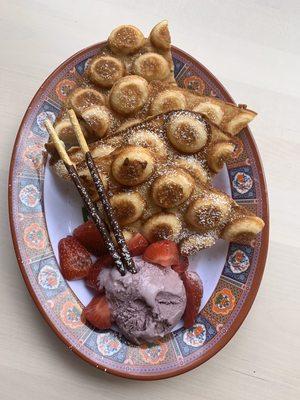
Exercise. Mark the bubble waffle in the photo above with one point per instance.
(157, 189)
(194, 142)
(131, 79)
(227, 116)
(157, 172)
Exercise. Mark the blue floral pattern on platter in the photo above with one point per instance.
(238, 262)
(190, 340)
(108, 344)
(46, 111)
(242, 183)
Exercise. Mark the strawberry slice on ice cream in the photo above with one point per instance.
(97, 313)
(92, 278)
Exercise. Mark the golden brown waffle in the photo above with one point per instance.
(161, 187)
(131, 79)
(156, 163)
(186, 136)
(227, 116)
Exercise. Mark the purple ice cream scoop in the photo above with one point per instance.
(146, 305)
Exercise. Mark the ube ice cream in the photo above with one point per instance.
(146, 305)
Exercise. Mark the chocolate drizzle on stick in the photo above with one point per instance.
(92, 210)
(94, 214)
(124, 251)
(125, 255)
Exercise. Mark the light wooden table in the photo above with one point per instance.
(253, 48)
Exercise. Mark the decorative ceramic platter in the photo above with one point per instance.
(43, 209)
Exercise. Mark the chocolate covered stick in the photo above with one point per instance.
(92, 209)
(125, 255)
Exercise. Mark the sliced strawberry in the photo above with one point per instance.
(106, 261)
(97, 312)
(75, 260)
(89, 236)
(102, 262)
(194, 291)
(137, 245)
(182, 265)
(164, 253)
(92, 278)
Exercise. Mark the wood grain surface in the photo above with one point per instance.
(253, 48)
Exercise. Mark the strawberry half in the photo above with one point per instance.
(89, 236)
(182, 265)
(97, 313)
(194, 291)
(75, 260)
(137, 245)
(164, 253)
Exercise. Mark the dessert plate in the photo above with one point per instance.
(44, 209)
